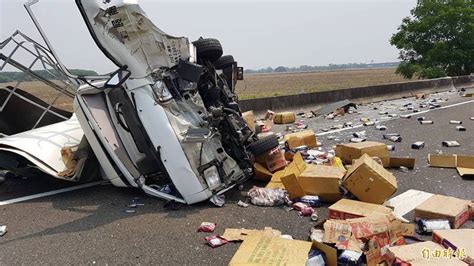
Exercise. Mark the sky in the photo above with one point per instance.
(258, 33)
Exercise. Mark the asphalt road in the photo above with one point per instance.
(89, 226)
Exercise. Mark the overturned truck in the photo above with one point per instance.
(167, 121)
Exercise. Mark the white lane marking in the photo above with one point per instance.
(50, 193)
(390, 119)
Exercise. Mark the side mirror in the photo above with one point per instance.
(118, 78)
(240, 73)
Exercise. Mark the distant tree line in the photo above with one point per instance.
(306, 68)
(50, 74)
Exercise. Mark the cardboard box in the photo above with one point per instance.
(443, 207)
(284, 118)
(306, 137)
(348, 209)
(464, 164)
(322, 181)
(249, 119)
(369, 181)
(291, 184)
(262, 249)
(296, 167)
(396, 162)
(262, 173)
(460, 240)
(420, 254)
(351, 151)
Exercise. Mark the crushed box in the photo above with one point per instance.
(350, 151)
(464, 164)
(347, 209)
(262, 173)
(284, 118)
(306, 137)
(322, 181)
(369, 181)
(455, 210)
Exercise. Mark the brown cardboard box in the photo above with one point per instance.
(398, 161)
(261, 173)
(249, 119)
(292, 186)
(296, 167)
(460, 240)
(306, 137)
(284, 118)
(443, 207)
(322, 181)
(347, 209)
(350, 151)
(420, 254)
(369, 181)
(464, 164)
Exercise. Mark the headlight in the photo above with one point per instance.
(212, 177)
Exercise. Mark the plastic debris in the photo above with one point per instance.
(3, 230)
(391, 147)
(315, 258)
(455, 122)
(393, 137)
(207, 227)
(421, 118)
(360, 134)
(349, 257)
(418, 145)
(381, 128)
(312, 201)
(427, 226)
(242, 204)
(129, 211)
(215, 241)
(267, 196)
(405, 116)
(218, 200)
(358, 140)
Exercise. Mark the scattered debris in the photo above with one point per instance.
(207, 227)
(455, 210)
(451, 143)
(267, 196)
(407, 202)
(455, 122)
(215, 241)
(428, 226)
(345, 105)
(463, 164)
(242, 204)
(284, 118)
(460, 128)
(3, 230)
(418, 145)
(426, 122)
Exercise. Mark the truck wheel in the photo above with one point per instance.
(263, 145)
(224, 62)
(208, 49)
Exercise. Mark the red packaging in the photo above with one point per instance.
(308, 211)
(299, 206)
(207, 227)
(215, 241)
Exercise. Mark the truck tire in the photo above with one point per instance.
(263, 145)
(224, 62)
(208, 49)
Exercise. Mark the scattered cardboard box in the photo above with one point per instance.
(347, 209)
(271, 250)
(408, 229)
(369, 181)
(291, 184)
(330, 252)
(322, 181)
(295, 167)
(262, 173)
(443, 207)
(305, 137)
(284, 118)
(249, 119)
(464, 164)
(406, 202)
(236, 235)
(419, 254)
(461, 240)
(350, 151)
(396, 162)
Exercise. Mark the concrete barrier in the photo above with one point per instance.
(385, 92)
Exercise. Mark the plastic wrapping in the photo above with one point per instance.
(267, 197)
